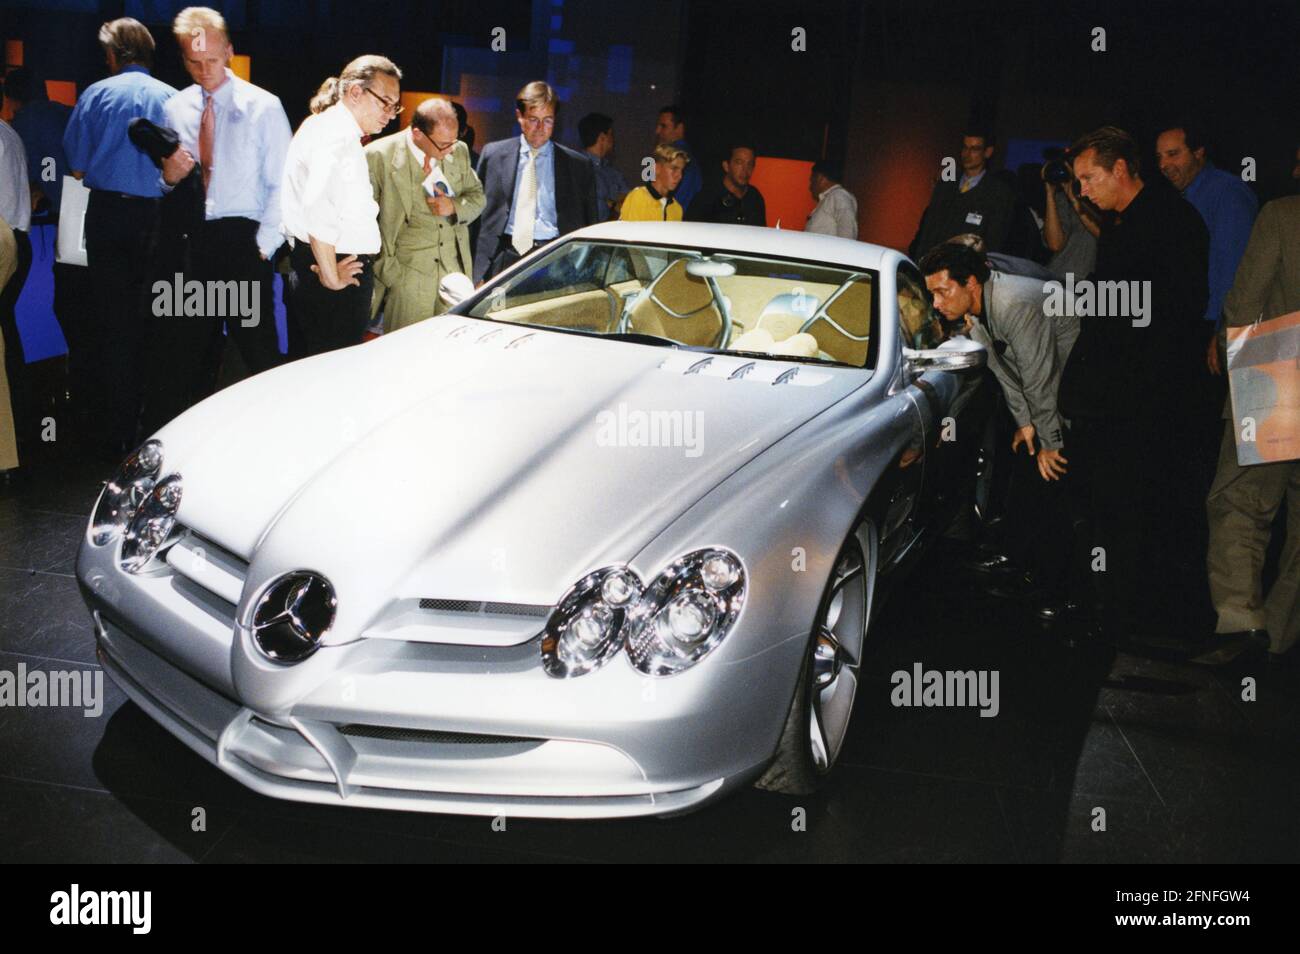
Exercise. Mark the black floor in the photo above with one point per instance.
(1184, 769)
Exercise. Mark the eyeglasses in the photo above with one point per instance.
(389, 107)
(532, 122)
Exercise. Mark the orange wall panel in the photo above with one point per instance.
(784, 184)
(61, 91)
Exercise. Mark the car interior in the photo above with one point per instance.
(729, 302)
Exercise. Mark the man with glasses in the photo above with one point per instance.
(979, 203)
(536, 190)
(428, 195)
(329, 209)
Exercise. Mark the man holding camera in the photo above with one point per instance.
(1070, 229)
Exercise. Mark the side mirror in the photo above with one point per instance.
(956, 354)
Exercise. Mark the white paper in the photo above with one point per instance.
(71, 248)
(435, 177)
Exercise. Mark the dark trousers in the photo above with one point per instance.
(326, 319)
(1040, 526)
(73, 306)
(1132, 486)
(189, 347)
(121, 239)
(20, 396)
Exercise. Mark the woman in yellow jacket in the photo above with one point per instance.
(654, 202)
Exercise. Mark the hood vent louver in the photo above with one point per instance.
(482, 608)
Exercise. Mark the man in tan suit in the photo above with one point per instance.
(1244, 500)
(428, 195)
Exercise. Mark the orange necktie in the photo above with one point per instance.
(207, 133)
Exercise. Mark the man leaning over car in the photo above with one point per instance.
(1026, 352)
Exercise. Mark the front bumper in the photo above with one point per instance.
(380, 723)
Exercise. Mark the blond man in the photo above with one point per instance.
(237, 135)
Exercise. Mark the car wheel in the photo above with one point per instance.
(818, 720)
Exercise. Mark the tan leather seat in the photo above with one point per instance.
(851, 311)
(679, 306)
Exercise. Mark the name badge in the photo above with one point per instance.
(974, 218)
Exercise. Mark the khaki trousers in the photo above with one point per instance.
(8, 442)
(1241, 506)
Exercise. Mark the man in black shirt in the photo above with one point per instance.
(731, 199)
(1127, 388)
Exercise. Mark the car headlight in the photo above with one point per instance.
(123, 495)
(688, 609)
(586, 629)
(152, 524)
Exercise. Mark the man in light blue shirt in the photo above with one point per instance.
(1227, 205)
(545, 227)
(535, 190)
(121, 230)
(238, 135)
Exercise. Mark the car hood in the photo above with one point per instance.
(468, 459)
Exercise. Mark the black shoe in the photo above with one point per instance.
(1230, 647)
(1015, 585)
(1054, 611)
(995, 563)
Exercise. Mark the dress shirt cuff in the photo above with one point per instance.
(269, 238)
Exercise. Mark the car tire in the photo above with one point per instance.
(800, 765)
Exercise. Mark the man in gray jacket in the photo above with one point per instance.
(1026, 352)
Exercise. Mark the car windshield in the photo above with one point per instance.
(706, 300)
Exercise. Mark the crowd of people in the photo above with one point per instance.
(1105, 324)
(1123, 475)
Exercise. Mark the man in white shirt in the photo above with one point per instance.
(837, 209)
(328, 208)
(16, 214)
(238, 134)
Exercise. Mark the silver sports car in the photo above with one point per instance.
(602, 541)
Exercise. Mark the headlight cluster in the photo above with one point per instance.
(665, 627)
(138, 507)
(122, 495)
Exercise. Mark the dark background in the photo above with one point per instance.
(888, 86)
